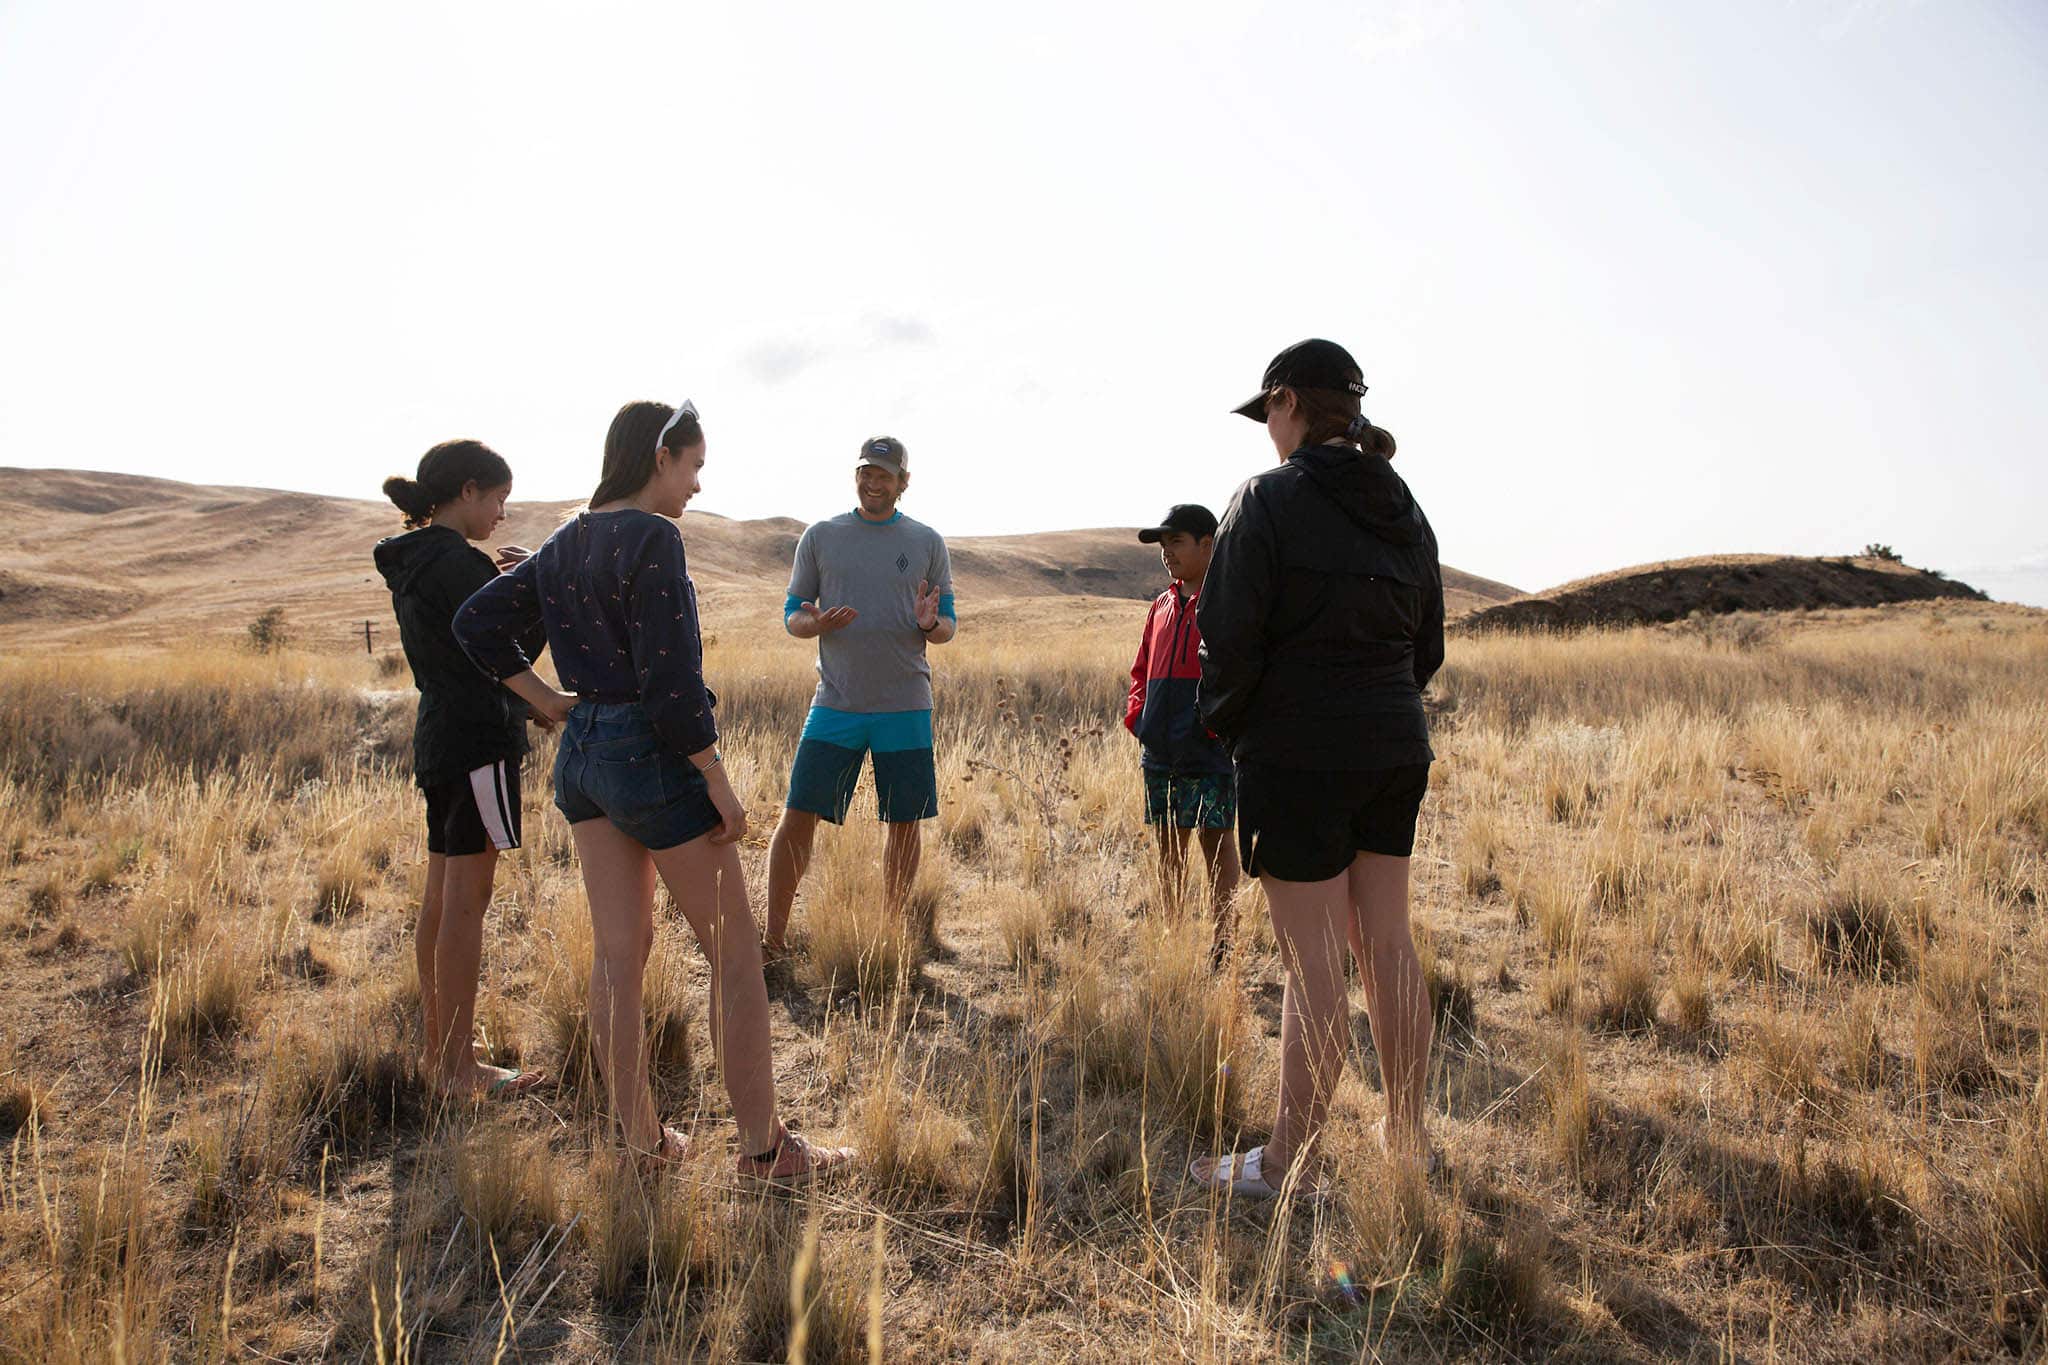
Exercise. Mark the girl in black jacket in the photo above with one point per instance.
(1322, 621)
(467, 742)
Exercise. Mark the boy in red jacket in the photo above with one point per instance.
(1189, 785)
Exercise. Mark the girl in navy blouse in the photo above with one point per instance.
(638, 774)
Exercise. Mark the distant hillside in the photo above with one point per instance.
(124, 560)
(1714, 584)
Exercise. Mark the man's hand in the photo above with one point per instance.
(808, 623)
(509, 557)
(927, 606)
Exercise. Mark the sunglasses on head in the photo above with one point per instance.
(688, 409)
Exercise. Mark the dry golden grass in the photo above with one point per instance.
(1733, 944)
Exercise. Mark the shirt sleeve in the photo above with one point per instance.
(940, 575)
(667, 649)
(499, 622)
(1429, 641)
(803, 571)
(1134, 701)
(1237, 597)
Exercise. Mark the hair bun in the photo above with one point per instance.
(408, 497)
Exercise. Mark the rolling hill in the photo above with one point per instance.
(127, 561)
(1714, 585)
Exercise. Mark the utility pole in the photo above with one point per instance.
(366, 638)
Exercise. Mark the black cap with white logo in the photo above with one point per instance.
(1311, 364)
(884, 452)
(1191, 517)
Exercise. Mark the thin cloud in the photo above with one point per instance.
(778, 362)
(1390, 30)
(904, 331)
(1837, 19)
(2033, 564)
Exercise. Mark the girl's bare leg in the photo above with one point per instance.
(1309, 920)
(425, 935)
(618, 880)
(458, 958)
(708, 886)
(1396, 993)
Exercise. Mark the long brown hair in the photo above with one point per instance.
(630, 444)
(1332, 415)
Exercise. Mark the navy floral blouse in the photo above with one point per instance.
(615, 596)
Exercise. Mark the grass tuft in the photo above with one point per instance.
(1859, 926)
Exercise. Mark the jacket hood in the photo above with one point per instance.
(1367, 489)
(403, 558)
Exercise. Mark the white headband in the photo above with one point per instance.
(688, 409)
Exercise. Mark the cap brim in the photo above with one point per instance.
(879, 462)
(1152, 535)
(1255, 409)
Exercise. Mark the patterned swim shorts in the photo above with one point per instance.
(1190, 800)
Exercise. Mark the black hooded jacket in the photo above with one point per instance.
(1322, 617)
(467, 718)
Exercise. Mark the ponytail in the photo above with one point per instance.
(1371, 439)
(443, 473)
(1332, 414)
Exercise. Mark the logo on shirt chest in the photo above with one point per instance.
(902, 563)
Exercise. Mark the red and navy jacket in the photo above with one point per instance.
(1160, 710)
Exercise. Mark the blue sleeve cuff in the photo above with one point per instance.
(946, 606)
(791, 605)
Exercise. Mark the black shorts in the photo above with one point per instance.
(1308, 826)
(474, 813)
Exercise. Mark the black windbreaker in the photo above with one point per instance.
(1322, 617)
(467, 720)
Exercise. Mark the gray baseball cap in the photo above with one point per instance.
(884, 452)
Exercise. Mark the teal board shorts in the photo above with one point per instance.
(1190, 800)
(828, 761)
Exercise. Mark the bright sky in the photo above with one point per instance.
(1630, 280)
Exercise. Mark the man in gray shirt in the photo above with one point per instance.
(873, 588)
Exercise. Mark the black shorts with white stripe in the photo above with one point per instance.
(476, 812)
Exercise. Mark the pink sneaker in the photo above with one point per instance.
(794, 1160)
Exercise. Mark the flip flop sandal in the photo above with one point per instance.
(1243, 1174)
(793, 1161)
(508, 1087)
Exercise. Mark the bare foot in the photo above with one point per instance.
(1412, 1146)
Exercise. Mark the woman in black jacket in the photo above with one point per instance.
(466, 742)
(1322, 621)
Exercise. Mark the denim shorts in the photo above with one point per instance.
(610, 764)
